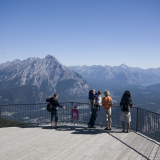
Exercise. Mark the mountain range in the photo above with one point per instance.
(118, 74)
(48, 74)
(38, 78)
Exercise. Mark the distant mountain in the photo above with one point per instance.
(49, 75)
(21, 95)
(155, 87)
(118, 74)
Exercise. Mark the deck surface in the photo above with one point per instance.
(45, 143)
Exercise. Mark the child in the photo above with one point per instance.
(75, 114)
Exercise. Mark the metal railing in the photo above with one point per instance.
(36, 114)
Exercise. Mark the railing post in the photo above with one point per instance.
(137, 121)
(0, 118)
(71, 112)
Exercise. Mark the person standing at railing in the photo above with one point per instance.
(107, 103)
(95, 110)
(75, 115)
(125, 104)
(55, 105)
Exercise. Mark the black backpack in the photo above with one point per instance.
(126, 101)
(49, 107)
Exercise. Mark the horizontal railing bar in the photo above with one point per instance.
(71, 102)
(39, 103)
(146, 110)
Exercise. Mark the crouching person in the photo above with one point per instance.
(125, 104)
(54, 112)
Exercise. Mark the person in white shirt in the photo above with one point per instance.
(95, 110)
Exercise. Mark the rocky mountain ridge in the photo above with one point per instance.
(118, 74)
(45, 73)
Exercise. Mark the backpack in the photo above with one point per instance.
(126, 105)
(126, 101)
(91, 95)
(49, 107)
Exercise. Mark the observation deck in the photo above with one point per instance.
(34, 139)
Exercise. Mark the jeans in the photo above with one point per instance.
(54, 113)
(94, 115)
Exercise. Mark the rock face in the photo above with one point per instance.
(10, 64)
(118, 74)
(47, 74)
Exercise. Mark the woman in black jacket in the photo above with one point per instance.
(54, 111)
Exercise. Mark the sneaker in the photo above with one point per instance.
(106, 129)
(127, 131)
(123, 131)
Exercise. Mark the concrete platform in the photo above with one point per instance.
(46, 143)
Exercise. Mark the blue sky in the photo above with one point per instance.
(82, 32)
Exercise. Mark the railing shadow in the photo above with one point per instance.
(93, 131)
(149, 138)
(129, 146)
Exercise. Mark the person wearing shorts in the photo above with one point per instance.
(125, 116)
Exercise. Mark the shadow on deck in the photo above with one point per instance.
(45, 142)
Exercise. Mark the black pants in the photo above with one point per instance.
(54, 113)
(94, 115)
